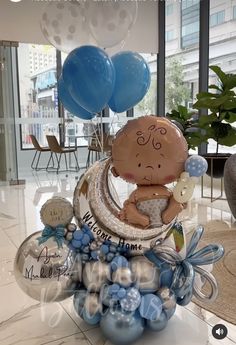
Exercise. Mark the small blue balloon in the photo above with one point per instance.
(150, 307)
(159, 324)
(76, 243)
(196, 166)
(91, 319)
(78, 235)
(69, 103)
(120, 327)
(132, 81)
(79, 301)
(119, 261)
(89, 75)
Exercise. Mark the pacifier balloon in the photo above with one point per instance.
(195, 166)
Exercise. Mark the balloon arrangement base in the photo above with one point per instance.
(123, 294)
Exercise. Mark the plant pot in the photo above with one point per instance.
(216, 164)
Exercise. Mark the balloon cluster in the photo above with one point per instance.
(124, 294)
(70, 24)
(91, 80)
(124, 277)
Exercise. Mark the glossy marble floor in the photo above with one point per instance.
(24, 321)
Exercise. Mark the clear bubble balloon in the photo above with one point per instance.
(64, 25)
(44, 271)
(110, 21)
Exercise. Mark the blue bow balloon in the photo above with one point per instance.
(58, 233)
(70, 104)
(185, 269)
(132, 81)
(89, 75)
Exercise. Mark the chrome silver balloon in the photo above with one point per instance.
(95, 275)
(92, 305)
(122, 276)
(145, 274)
(94, 204)
(168, 298)
(45, 272)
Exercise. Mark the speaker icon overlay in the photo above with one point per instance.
(219, 331)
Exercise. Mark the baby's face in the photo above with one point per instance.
(149, 151)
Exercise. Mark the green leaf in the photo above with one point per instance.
(230, 104)
(204, 94)
(231, 81)
(177, 119)
(220, 74)
(229, 116)
(230, 139)
(207, 119)
(212, 86)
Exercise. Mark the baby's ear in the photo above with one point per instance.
(114, 172)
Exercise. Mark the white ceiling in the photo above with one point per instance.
(20, 22)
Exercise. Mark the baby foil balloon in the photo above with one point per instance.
(151, 152)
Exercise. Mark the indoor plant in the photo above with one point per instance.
(187, 122)
(217, 125)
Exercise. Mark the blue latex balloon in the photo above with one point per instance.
(89, 75)
(132, 81)
(91, 319)
(119, 261)
(150, 307)
(79, 300)
(196, 166)
(159, 324)
(122, 327)
(69, 103)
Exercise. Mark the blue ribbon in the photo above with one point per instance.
(184, 271)
(58, 233)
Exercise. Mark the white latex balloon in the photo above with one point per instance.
(64, 25)
(110, 21)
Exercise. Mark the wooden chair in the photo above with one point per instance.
(38, 150)
(94, 147)
(58, 150)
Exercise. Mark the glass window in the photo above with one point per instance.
(234, 12)
(169, 35)
(189, 3)
(189, 23)
(222, 51)
(38, 93)
(182, 56)
(217, 18)
(169, 9)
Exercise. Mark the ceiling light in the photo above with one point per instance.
(15, 0)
